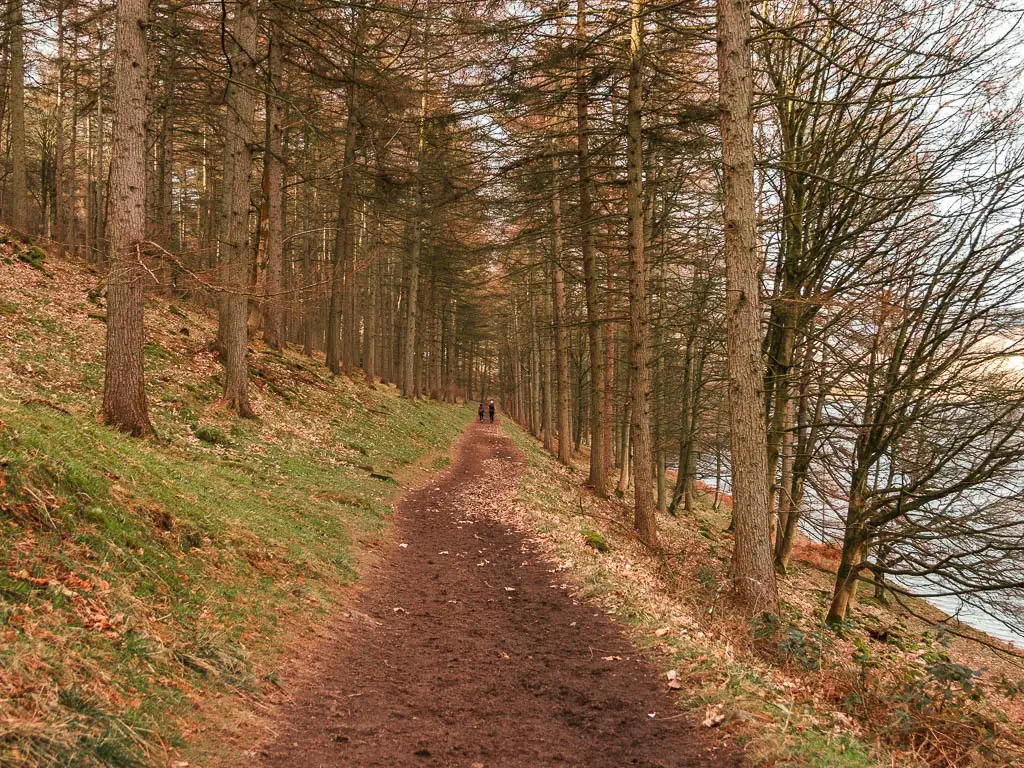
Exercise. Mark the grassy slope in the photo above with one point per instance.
(786, 698)
(139, 580)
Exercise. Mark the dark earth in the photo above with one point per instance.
(463, 648)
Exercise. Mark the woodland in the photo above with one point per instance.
(766, 250)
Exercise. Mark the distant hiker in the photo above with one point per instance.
(480, 412)
(490, 410)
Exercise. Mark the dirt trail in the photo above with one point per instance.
(463, 649)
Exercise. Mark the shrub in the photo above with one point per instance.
(928, 707)
(788, 643)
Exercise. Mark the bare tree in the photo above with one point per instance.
(934, 407)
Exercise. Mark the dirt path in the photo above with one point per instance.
(462, 649)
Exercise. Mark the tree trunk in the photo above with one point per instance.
(598, 479)
(547, 385)
(753, 573)
(98, 223)
(658, 406)
(374, 282)
(687, 430)
(17, 194)
(271, 222)
(350, 328)
(72, 179)
(608, 404)
(234, 232)
(780, 370)
(536, 427)
(640, 375)
(60, 190)
(409, 335)
(561, 334)
(624, 450)
(785, 486)
(855, 546)
(338, 348)
(5, 78)
(409, 340)
(807, 423)
(124, 396)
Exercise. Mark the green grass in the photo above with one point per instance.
(814, 749)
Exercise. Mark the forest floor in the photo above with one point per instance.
(466, 647)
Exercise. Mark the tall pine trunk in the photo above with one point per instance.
(598, 479)
(124, 396)
(409, 339)
(337, 351)
(234, 216)
(639, 343)
(753, 573)
(273, 193)
(98, 224)
(60, 139)
(17, 192)
(560, 332)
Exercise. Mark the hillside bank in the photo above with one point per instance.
(148, 588)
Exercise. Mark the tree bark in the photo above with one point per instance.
(561, 334)
(416, 235)
(60, 191)
(640, 375)
(625, 449)
(374, 282)
(98, 222)
(409, 336)
(536, 416)
(598, 479)
(338, 347)
(234, 217)
(17, 194)
(271, 222)
(780, 370)
(124, 396)
(753, 573)
(73, 202)
(852, 558)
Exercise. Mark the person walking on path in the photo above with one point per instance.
(480, 412)
(490, 410)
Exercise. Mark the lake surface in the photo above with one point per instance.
(977, 618)
(970, 615)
